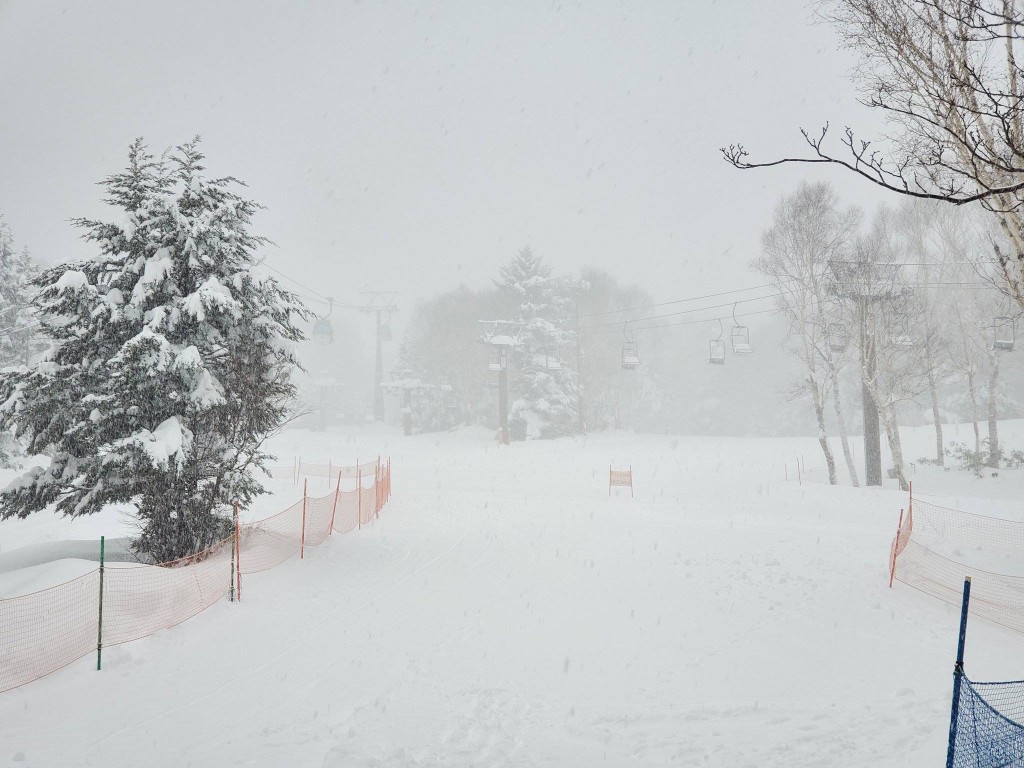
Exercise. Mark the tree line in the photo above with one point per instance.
(904, 300)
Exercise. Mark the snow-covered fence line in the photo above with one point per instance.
(46, 630)
(927, 554)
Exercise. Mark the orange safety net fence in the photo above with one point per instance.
(46, 630)
(935, 547)
(300, 468)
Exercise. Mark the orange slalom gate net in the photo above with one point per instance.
(44, 631)
(915, 561)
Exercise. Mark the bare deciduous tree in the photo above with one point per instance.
(946, 75)
(808, 231)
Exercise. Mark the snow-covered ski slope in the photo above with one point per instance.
(504, 612)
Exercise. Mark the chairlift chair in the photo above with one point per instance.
(385, 330)
(323, 331)
(552, 363)
(740, 336)
(496, 359)
(716, 347)
(902, 336)
(630, 353)
(741, 340)
(716, 353)
(1003, 334)
(837, 337)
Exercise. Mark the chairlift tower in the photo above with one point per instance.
(868, 284)
(381, 303)
(501, 336)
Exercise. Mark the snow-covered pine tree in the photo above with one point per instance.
(545, 397)
(18, 326)
(428, 396)
(17, 319)
(170, 365)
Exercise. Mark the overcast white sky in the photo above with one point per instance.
(414, 146)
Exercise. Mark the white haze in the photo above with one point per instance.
(416, 147)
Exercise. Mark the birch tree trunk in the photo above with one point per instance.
(837, 406)
(819, 412)
(936, 417)
(993, 413)
(974, 411)
(892, 432)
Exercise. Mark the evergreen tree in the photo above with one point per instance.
(545, 395)
(18, 327)
(17, 321)
(170, 364)
(427, 400)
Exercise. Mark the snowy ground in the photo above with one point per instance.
(504, 612)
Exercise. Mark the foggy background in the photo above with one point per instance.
(416, 147)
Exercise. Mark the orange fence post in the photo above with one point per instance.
(359, 496)
(337, 493)
(895, 546)
(302, 540)
(378, 488)
(631, 481)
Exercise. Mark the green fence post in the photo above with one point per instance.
(99, 633)
(234, 546)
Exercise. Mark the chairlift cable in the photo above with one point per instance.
(322, 298)
(677, 301)
(690, 322)
(690, 311)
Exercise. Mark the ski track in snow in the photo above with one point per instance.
(504, 612)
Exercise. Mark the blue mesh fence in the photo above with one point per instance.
(989, 733)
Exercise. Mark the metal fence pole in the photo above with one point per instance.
(234, 548)
(99, 631)
(958, 675)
